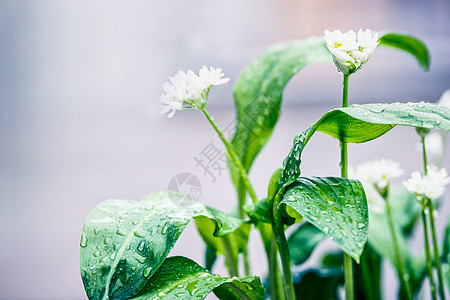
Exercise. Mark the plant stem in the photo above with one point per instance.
(348, 264)
(229, 257)
(275, 280)
(278, 230)
(243, 173)
(235, 158)
(427, 252)
(433, 229)
(424, 152)
(436, 250)
(403, 275)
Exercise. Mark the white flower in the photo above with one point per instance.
(376, 175)
(429, 186)
(351, 51)
(445, 99)
(379, 172)
(189, 90)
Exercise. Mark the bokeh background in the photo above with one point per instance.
(80, 122)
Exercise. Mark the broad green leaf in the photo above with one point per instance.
(337, 206)
(409, 44)
(229, 246)
(318, 284)
(181, 278)
(258, 91)
(362, 123)
(303, 241)
(124, 242)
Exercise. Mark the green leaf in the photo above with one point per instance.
(337, 206)
(303, 241)
(124, 242)
(181, 278)
(259, 212)
(362, 123)
(258, 92)
(409, 44)
(230, 246)
(318, 284)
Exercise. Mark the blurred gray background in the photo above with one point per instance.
(80, 122)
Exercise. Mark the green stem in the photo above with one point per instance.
(427, 252)
(278, 230)
(348, 274)
(348, 264)
(429, 204)
(231, 261)
(247, 270)
(436, 250)
(424, 152)
(275, 280)
(243, 173)
(403, 275)
(235, 158)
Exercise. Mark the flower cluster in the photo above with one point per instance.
(189, 90)
(351, 51)
(430, 186)
(376, 175)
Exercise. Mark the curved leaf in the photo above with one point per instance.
(337, 206)
(258, 92)
(409, 44)
(122, 238)
(181, 278)
(303, 241)
(230, 246)
(362, 123)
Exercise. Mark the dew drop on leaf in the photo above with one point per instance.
(83, 242)
(147, 272)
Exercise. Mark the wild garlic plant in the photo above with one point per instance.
(125, 245)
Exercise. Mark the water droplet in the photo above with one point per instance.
(147, 272)
(83, 242)
(141, 246)
(180, 286)
(121, 232)
(140, 259)
(97, 253)
(112, 256)
(139, 233)
(164, 229)
(106, 241)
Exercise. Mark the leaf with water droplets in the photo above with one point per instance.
(303, 241)
(362, 123)
(121, 238)
(337, 206)
(409, 44)
(181, 278)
